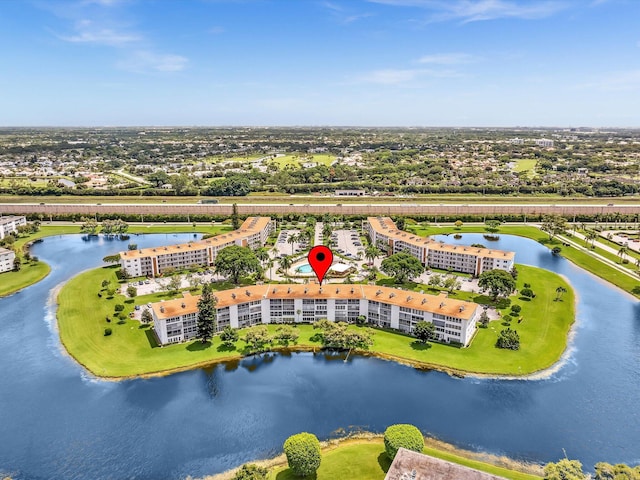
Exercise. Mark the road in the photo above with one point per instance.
(409, 209)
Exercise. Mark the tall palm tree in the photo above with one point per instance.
(559, 292)
(262, 254)
(622, 252)
(285, 264)
(371, 252)
(270, 263)
(292, 238)
(326, 231)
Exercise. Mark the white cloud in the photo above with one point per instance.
(392, 76)
(103, 3)
(143, 61)
(447, 58)
(343, 15)
(88, 32)
(478, 10)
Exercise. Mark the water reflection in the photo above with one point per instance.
(58, 422)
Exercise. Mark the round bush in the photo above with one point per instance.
(107, 332)
(402, 435)
(303, 453)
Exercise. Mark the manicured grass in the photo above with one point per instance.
(543, 334)
(296, 160)
(525, 165)
(30, 273)
(367, 460)
(131, 349)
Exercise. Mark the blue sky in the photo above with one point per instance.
(308, 62)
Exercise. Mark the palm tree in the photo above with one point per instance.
(270, 263)
(559, 292)
(622, 253)
(292, 238)
(262, 254)
(371, 252)
(285, 264)
(326, 231)
(592, 235)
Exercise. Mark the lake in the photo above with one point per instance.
(59, 422)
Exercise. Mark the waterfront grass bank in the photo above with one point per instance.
(581, 258)
(363, 457)
(33, 272)
(131, 350)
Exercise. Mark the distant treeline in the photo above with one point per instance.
(298, 217)
(233, 188)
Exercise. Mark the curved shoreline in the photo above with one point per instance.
(425, 366)
(158, 366)
(431, 443)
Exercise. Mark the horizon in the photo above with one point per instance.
(321, 63)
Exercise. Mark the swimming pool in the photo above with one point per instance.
(306, 268)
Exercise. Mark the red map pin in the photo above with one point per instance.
(320, 258)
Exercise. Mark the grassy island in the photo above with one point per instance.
(543, 325)
(30, 273)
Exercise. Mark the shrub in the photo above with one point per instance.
(402, 435)
(527, 285)
(107, 332)
(526, 292)
(303, 453)
(508, 339)
(515, 309)
(251, 471)
(119, 307)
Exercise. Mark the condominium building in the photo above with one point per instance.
(455, 320)
(385, 235)
(253, 233)
(6, 259)
(10, 225)
(544, 142)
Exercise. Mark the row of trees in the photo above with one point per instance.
(566, 469)
(108, 227)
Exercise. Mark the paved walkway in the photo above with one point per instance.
(596, 255)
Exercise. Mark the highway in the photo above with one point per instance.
(410, 209)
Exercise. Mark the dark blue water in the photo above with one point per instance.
(58, 422)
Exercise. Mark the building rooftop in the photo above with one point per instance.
(439, 304)
(251, 225)
(9, 219)
(409, 465)
(4, 251)
(386, 226)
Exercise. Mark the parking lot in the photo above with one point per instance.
(347, 243)
(154, 285)
(283, 247)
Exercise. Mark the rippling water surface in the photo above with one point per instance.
(58, 422)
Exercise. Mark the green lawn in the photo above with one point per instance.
(525, 165)
(296, 160)
(367, 460)
(30, 273)
(131, 350)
